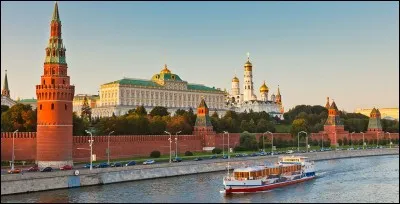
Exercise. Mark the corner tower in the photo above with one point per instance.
(54, 104)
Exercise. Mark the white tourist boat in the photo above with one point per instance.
(289, 170)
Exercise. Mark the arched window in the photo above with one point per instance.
(44, 82)
(52, 106)
(40, 106)
(52, 81)
(65, 106)
(63, 81)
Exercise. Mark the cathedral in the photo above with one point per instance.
(246, 101)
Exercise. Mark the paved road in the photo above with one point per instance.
(205, 160)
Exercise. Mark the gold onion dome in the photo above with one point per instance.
(165, 70)
(248, 63)
(235, 79)
(264, 88)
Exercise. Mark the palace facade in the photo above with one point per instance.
(163, 89)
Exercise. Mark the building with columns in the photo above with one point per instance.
(165, 89)
(55, 95)
(246, 101)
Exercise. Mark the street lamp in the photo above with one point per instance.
(12, 163)
(390, 140)
(223, 143)
(108, 148)
(377, 139)
(351, 139)
(298, 140)
(170, 141)
(91, 148)
(322, 141)
(176, 143)
(225, 132)
(272, 141)
(363, 140)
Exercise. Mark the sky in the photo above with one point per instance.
(348, 51)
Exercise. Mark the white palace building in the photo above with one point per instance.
(164, 89)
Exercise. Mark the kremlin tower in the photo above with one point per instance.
(374, 124)
(54, 103)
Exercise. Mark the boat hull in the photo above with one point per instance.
(251, 189)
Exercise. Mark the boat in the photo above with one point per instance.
(289, 170)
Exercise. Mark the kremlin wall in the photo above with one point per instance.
(127, 146)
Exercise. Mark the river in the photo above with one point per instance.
(364, 179)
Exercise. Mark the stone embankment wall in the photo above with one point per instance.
(22, 183)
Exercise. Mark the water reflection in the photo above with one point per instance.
(345, 180)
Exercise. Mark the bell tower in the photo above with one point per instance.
(54, 103)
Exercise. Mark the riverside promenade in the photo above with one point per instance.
(39, 181)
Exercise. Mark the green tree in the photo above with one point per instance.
(4, 108)
(159, 111)
(248, 141)
(86, 111)
(157, 125)
(179, 123)
(298, 125)
(19, 117)
(141, 111)
(79, 125)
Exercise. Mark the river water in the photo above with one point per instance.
(364, 179)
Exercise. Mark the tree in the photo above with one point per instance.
(159, 111)
(157, 125)
(140, 110)
(79, 125)
(248, 141)
(4, 108)
(298, 125)
(19, 117)
(86, 111)
(179, 123)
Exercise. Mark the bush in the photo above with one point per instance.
(239, 148)
(155, 154)
(216, 151)
(188, 153)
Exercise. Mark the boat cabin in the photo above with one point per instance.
(258, 172)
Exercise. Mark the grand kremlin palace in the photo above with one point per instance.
(164, 89)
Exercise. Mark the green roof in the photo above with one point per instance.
(166, 76)
(30, 100)
(199, 87)
(137, 82)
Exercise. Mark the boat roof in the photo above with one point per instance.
(301, 157)
(249, 169)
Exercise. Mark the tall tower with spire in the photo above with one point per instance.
(374, 124)
(5, 91)
(235, 86)
(248, 93)
(54, 103)
(278, 97)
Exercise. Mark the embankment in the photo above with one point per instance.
(30, 182)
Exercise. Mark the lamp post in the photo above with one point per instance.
(108, 148)
(176, 143)
(272, 142)
(335, 141)
(322, 141)
(377, 139)
(91, 148)
(363, 140)
(170, 143)
(390, 140)
(12, 163)
(223, 143)
(351, 139)
(298, 140)
(226, 132)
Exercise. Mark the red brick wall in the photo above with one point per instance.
(140, 145)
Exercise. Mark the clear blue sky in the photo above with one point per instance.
(348, 51)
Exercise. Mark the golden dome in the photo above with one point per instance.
(264, 88)
(248, 64)
(235, 79)
(165, 70)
